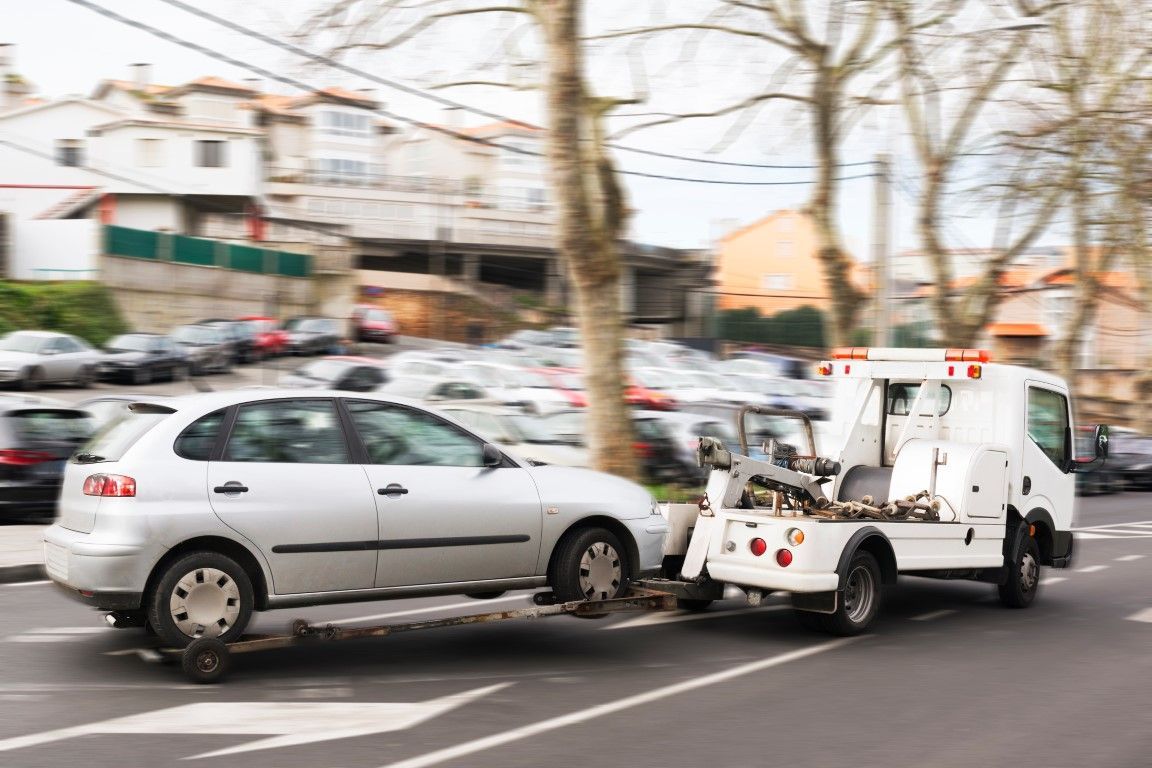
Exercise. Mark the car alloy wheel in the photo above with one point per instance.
(601, 571)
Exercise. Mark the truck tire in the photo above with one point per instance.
(693, 604)
(202, 595)
(859, 601)
(1023, 577)
(589, 564)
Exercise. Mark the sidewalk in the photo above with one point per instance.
(21, 553)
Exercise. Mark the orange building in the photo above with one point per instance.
(770, 265)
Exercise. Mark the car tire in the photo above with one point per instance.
(85, 377)
(859, 601)
(180, 372)
(1023, 578)
(589, 564)
(32, 380)
(141, 376)
(201, 595)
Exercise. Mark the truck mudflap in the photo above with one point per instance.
(816, 602)
(1062, 546)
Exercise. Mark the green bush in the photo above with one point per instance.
(84, 309)
(801, 327)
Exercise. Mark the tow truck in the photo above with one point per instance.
(949, 467)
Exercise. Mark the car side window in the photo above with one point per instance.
(288, 432)
(397, 435)
(1048, 423)
(199, 438)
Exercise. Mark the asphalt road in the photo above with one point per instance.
(946, 678)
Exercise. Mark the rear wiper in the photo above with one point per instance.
(88, 458)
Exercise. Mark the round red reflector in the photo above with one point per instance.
(783, 557)
(758, 546)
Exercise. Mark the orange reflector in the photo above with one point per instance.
(967, 355)
(1032, 530)
(795, 536)
(850, 353)
(975, 371)
(824, 369)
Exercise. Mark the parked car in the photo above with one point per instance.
(686, 429)
(270, 338)
(1130, 461)
(30, 359)
(518, 432)
(374, 324)
(141, 358)
(241, 335)
(207, 347)
(653, 444)
(35, 441)
(514, 385)
(434, 389)
(313, 335)
(348, 374)
(281, 515)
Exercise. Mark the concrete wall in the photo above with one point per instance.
(55, 249)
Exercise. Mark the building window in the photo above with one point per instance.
(211, 154)
(70, 152)
(780, 281)
(345, 124)
(211, 110)
(335, 170)
(149, 153)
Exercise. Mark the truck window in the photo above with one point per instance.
(901, 397)
(1048, 423)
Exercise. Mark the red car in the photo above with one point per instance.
(374, 324)
(270, 337)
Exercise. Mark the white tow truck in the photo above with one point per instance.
(948, 467)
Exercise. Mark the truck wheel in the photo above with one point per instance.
(202, 595)
(693, 604)
(589, 564)
(860, 601)
(1023, 578)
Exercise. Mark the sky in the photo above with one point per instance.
(66, 49)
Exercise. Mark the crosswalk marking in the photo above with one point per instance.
(1091, 569)
(1144, 616)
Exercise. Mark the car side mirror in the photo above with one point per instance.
(492, 456)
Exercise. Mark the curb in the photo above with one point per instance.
(10, 574)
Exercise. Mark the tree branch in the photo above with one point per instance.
(744, 104)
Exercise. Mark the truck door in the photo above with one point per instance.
(1046, 453)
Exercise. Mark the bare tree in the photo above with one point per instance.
(590, 200)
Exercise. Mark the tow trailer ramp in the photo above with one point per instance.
(208, 660)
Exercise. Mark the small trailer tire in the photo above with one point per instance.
(1023, 577)
(859, 600)
(205, 660)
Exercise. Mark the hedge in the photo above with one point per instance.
(83, 309)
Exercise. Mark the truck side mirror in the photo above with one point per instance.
(1100, 441)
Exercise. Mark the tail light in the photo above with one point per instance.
(119, 486)
(14, 457)
(643, 450)
(758, 546)
(783, 557)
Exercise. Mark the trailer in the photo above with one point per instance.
(949, 467)
(208, 660)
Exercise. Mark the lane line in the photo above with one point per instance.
(38, 638)
(28, 583)
(592, 713)
(69, 631)
(1053, 579)
(432, 609)
(659, 619)
(1111, 525)
(1091, 569)
(934, 615)
(1128, 558)
(1144, 616)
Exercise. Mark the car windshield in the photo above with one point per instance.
(528, 429)
(195, 334)
(314, 325)
(21, 342)
(263, 326)
(130, 343)
(323, 370)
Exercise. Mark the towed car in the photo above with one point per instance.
(220, 504)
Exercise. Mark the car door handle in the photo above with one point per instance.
(394, 489)
(230, 488)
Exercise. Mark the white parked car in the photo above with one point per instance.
(191, 514)
(30, 359)
(520, 433)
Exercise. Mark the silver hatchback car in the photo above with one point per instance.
(192, 513)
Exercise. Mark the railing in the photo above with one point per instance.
(161, 246)
(412, 184)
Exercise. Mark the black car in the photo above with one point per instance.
(141, 358)
(349, 374)
(314, 335)
(1129, 461)
(207, 347)
(241, 335)
(35, 442)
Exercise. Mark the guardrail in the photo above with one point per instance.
(180, 249)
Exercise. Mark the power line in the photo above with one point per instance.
(335, 64)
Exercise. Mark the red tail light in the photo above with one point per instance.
(643, 450)
(758, 546)
(783, 557)
(119, 486)
(14, 457)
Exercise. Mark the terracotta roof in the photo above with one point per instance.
(1016, 329)
(342, 94)
(494, 128)
(212, 81)
(1106, 279)
(127, 85)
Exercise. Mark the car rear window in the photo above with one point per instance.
(39, 426)
(121, 433)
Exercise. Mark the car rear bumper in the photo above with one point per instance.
(108, 576)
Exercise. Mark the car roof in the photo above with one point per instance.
(41, 334)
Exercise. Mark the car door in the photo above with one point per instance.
(1046, 453)
(444, 516)
(286, 481)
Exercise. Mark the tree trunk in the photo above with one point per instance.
(590, 208)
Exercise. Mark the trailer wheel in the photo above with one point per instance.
(590, 564)
(205, 660)
(860, 600)
(1023, 578)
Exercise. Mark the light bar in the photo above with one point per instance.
(898, 354)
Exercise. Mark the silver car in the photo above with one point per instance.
(192, 513)
(32, 358)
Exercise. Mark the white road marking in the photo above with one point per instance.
(1144, 616)
(1112, 525)
(1091, 569)
(291, 723)
(934, 615)
(477, 604)
(145, 654)
(1053, 579)
(53, 634)
(28, 583)
(657, 619)
(592, 713)
(1128, 558)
